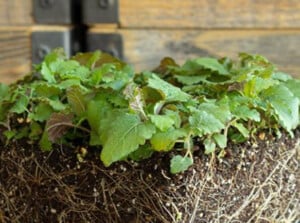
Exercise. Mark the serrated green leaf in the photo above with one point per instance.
(209, 118)
(123, 136)
(257, 84)
(170, 92)
(180, 164)
(69, 69)
(240, 107)
(65, 84)
(41, 112)
(173, 115)
(76, 99)
(20, 105)
(209, 145)
(165, 141)
(285, 105)
(206, 63)
(162, 122)
(190, 80)
(45, 90)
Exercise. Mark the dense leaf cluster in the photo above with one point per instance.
(96, 98)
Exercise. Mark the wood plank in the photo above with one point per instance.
(210, 14)
(16, 12)
(15, 49)
(145, 48)
(15, 53)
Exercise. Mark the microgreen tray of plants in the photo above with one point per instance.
(100, 101)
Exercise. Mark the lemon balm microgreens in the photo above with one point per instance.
(98, 99)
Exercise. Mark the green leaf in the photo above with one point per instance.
(69, 69)
(47, 73)
(165, 141)
(20, 105)
(45, 143)
(162, 122)
(170, 92)
(56, 104)
(98, 110)
(9, 134)
(285, 105)
(220, 139)
(65, 84)
(209, 118)
(46, 90)
(4, 91)
(257, 84)
(124, 135)
(35, 131)
(294, 86)
(241, 128)
(240, 107)
(206, 63)
(281, 76)
(180, 164)
(190, 80)
(76, 99)
(41, 112)
(143, 152)
(209, 145)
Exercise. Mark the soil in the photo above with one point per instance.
(257, 181)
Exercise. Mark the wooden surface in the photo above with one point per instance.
(183, 13)
(145, 48)
(15, 53)
(182, 29)
(210, 13)
(16, 12)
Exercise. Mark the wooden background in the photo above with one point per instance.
(153, 29)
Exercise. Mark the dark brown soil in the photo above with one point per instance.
(257, 181)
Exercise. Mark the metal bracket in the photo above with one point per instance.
(111, 43)
(56, 11)
(75, 11)
(45, 41)
(100, 11)
(78, 13)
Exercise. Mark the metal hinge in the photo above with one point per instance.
(79, 14)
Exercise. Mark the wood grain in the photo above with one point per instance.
(16, 12)
(210, 13)
(145, 48)
(15, 53)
